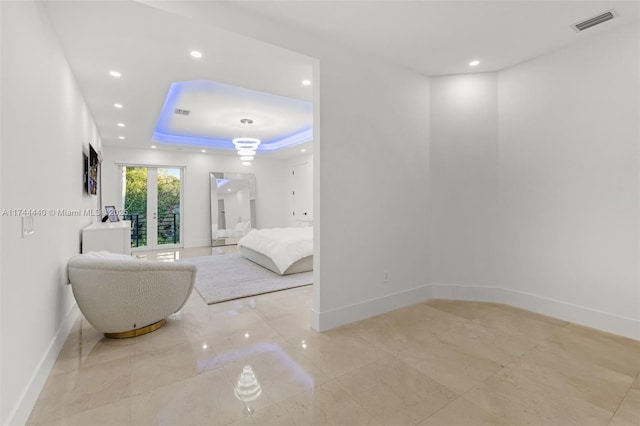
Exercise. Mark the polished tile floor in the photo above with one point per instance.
(255, 361)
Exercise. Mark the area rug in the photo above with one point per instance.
(231, 276)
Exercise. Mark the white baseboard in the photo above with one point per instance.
(20, 414)
(199, 243)
(322, 321)
(314, 323)
(627, 327)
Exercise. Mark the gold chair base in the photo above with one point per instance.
(137, 332)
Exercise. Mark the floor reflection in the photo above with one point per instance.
(248, 388)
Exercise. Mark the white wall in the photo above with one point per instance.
(373, 138)
(46, 126)
(569, 193)
(270, 181)
(464, 179)
(534, 184)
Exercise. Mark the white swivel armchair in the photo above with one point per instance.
(122, 296)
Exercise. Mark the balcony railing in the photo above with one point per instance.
(168, 228)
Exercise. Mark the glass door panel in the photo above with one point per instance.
(168, 208)
(135, 203)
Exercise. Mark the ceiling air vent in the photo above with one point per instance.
(181, 111)
(591, 22)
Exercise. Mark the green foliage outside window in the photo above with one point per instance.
(168, 205)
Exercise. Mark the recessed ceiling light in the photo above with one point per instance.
(229, 189)
(474, 63)
(203, 150)
(118, 105)
(246, 163)
(114, 74)
(120, 124)
(196, 54)
(306, 82)
(247, 158)
(303, 150)
(120, 137)
(153, 146)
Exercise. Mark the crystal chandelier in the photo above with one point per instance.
(246, 147)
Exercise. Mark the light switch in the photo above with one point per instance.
(27, 226)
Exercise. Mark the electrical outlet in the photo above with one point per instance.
(385, 276)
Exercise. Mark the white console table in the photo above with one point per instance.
(114, 237)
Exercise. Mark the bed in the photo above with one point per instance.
(284, 251)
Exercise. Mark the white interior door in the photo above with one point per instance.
(302, 192)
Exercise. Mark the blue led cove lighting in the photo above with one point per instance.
(164, 133)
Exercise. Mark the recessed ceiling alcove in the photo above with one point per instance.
(210, 114)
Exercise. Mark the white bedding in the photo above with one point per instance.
(284, 246)
(238, 231)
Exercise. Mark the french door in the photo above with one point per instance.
(152, 199)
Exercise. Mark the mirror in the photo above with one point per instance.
(233, 206)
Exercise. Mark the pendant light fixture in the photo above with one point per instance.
(246, 147)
